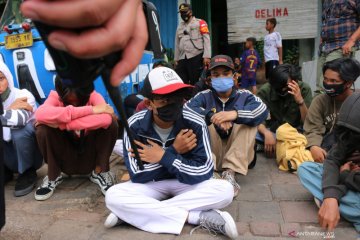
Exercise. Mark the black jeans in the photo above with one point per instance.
(2, 201)
(269, 66)
(190, 69)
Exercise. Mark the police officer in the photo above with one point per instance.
(192, 45)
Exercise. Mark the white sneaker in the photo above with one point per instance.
(104, 179)
(216, 221)
(47, 188)
(112, 220)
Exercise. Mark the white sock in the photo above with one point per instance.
(194, 217)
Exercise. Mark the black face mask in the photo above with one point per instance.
(334, 90)
(170, 112)
(185, 17)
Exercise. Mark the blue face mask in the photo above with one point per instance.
(222, 84)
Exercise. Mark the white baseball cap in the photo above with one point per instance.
(161, 81)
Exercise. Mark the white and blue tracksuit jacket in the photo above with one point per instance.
(250, 109)
(192, 167)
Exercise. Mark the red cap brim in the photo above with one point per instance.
(171, 88)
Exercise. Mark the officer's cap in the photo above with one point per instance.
(184, 7)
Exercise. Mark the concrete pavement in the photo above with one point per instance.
(271, 205)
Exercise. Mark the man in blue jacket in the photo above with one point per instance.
(232, 116)
(175, 185)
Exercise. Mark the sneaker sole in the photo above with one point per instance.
(230, 226)
(236, 192)
(111, 221)
(44, 197)
(25, 191)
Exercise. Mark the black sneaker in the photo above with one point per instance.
(25, 182)
(104, 179)
(8, 175)
(47, 188)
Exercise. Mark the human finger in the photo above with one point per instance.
(139, 144)
(192, 137)
(151, 142)
(133, 51)
(99, 41)
(73, 14)
(188, 133)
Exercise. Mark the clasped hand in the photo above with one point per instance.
(151, 153)
(224, 119)
(185, 141)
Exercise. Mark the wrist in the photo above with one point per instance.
(300, 103)
(313, 147)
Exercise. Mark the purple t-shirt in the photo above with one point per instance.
(250, 60)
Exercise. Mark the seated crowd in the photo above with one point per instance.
(191, 141)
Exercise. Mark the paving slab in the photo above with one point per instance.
(69, 229)
(282, 177)
(290, 192)
(243, 228)
(259, 211)
(265, 229)
(290, 229)
(254, 177)
(20, 223)
(300, 212)
(255, 192)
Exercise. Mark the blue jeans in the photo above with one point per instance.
(22, 152)
(260, 138)
(310, 175)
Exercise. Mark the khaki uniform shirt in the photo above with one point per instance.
(189, 34)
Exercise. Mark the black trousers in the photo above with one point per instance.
(269, 66)
(2, 201)
(190, 69)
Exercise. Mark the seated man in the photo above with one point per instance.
(336, 183)
(21, 153)
(339, 76)
(287, 99)
(175, 185)
(76, 135)
(232, 116)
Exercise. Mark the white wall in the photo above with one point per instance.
(296, 19)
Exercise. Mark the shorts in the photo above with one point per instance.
(248, 82)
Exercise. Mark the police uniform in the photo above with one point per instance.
(192, 44)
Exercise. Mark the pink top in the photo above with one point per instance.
(53, 111)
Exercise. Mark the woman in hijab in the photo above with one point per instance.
(21, 153)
